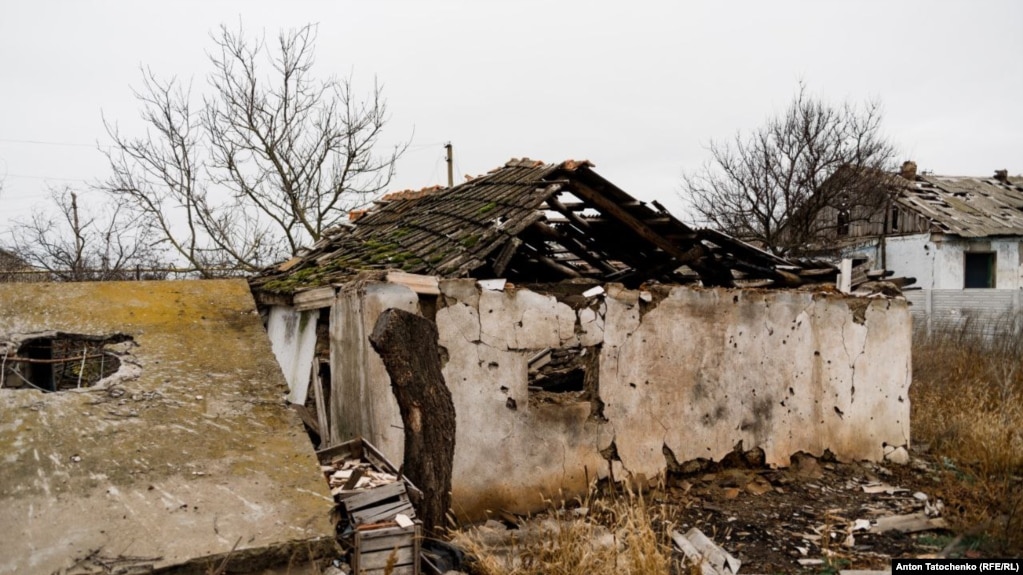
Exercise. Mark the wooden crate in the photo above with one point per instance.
(374, 548)
(377, 504)
(357, 448)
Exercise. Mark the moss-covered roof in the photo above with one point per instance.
(529, 222)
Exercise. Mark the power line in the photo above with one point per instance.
(30, 177)
(48, 143)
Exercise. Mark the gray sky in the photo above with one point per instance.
(639, 88)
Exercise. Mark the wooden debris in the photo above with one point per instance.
(376, 517)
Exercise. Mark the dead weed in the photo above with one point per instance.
(967, 405)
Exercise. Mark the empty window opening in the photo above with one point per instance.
(979, 270)
(895, 219)
(60, 362)
(563, 375)
(843, 223)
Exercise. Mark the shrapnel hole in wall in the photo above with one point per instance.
(59, 362)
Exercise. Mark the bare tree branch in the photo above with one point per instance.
(772, 185)
(77, 244)
(271, 158)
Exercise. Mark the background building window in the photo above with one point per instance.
(979, 270)
(843, 223)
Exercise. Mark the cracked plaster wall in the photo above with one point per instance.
(361, 402)
(696, 371)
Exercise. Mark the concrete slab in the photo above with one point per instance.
(196, 457)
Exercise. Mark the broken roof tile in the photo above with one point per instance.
(530, 222)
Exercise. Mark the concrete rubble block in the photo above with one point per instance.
(897, 455)
(909, 523)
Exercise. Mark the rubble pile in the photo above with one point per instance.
(346, 476)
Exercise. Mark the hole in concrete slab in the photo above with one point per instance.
(61, 361)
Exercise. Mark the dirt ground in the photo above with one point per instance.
(815, 516)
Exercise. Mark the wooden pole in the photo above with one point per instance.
(451, 164)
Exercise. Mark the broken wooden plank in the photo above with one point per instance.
(372, 496)
(505, 255)
(610, 207)
(353, 480)
(315, 298)
(385, 512)
(392, 550)
(307, 418)
(421, 284)
(319, 399)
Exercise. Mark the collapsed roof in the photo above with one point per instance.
(968, 207)
(533, 222)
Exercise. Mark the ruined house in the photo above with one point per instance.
(961, 238)
(143, 429)
(585, 334)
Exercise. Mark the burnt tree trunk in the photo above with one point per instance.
(407, 344)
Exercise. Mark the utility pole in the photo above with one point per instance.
(451, 165)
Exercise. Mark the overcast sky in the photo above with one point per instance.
(638, 88)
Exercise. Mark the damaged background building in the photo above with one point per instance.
(589, 356)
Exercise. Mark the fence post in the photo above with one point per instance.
(928, 308)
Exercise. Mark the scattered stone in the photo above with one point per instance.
(920, 496)
(898, 456)
(806, 466)
(935, 509)
(758, 486)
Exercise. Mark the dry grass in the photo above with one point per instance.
(967, 402)
(617, 535)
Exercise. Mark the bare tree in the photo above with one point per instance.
(262, 165)
(76, 244)
(773, 185)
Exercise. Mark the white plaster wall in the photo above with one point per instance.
(293, 340)
(1007, 262)
(696, 372)
(509, 454)
(783, 371)
(912, 256)
(361, 402)
(950, 267)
